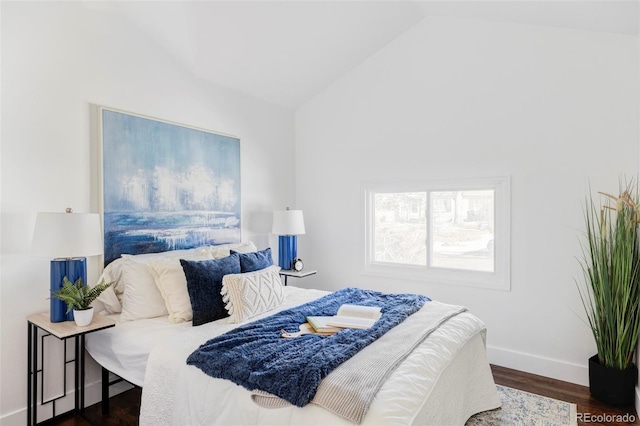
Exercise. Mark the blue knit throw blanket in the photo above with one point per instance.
(255, 355)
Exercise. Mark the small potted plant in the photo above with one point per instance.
(79, 297)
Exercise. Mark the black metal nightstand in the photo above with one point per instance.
(62, 331)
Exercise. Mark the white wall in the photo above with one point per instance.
(57, 58)
(551, 108)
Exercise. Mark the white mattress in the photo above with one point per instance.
(444, 381)
(124, 349)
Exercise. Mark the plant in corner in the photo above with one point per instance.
(79, 297)
(610, 263)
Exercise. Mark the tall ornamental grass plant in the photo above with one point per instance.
(610, 263)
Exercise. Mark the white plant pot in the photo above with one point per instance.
(84, 317)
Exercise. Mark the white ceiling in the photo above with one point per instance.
(285, 52)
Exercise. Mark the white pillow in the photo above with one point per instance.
(252, 293)
(111, 298)
(172, 254)
(138, 279)
(141, 298)
(107, 301)
(172, 283)
(223, 250)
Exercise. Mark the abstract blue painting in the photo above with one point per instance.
(166, 186)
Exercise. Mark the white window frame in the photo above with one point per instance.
(499, 279)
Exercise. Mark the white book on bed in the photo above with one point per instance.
(348, 316)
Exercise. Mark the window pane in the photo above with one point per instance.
(400, 227)
(463, 230)
(441, 231)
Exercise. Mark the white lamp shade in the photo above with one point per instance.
(67, 235)
(288, 222)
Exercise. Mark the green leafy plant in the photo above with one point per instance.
(77, 295)
(611, 266)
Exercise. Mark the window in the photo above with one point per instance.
(441, 231)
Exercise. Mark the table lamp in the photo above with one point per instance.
(68, 238)
(288, 224)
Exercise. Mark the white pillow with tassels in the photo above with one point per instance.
(252, 293)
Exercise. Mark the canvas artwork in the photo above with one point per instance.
(166, 186)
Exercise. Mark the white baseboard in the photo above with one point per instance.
(637, 403)
(548, 367)
(92, 395)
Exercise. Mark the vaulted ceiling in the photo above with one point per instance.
(285, 52)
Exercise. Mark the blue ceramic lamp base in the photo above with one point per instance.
(287, 250)
(72, 269)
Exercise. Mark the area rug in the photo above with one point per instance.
(524, 408)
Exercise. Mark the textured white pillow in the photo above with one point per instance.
(252, 293)
(172, 283)
(141, 298)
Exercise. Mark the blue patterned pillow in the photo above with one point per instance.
(204, 283)
(254, 261)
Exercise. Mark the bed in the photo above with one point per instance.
(445, 379)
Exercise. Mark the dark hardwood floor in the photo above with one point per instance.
(125, 407)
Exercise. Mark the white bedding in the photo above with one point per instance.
(124, 349)
(444, 381)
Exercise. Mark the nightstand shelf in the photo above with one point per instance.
(62, 331)
(296, 274)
